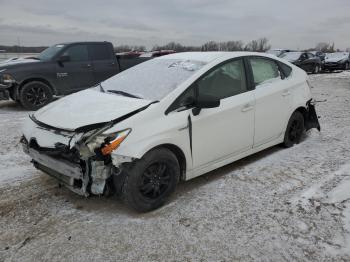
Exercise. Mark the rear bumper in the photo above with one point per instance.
(311, 120)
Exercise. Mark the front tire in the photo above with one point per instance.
(295, 129)
(347, 66)
(151, 180)
(35, 95)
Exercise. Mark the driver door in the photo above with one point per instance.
(76, 73)
(227, 130)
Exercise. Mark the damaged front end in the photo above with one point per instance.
(79, 159)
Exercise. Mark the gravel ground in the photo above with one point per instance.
(277, 205)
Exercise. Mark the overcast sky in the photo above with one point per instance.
(287, 23)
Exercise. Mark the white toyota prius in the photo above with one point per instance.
(169, 119)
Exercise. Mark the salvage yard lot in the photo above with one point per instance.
(279, 204)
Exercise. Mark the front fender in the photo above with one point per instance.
(138, 149)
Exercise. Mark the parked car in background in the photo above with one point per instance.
(60, 70)
(337, 61)
(171, 118)
(278, 52)
(319, 54)
(305, 60)
(158, 53)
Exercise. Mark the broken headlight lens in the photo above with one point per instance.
(108, 142)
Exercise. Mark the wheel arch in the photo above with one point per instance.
(302, 110)
(180, 155)
(35, 79)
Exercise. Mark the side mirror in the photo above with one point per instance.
(63, 58)
(205, 101)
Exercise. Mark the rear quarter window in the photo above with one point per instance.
(287, 70)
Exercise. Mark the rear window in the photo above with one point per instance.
(100, 52)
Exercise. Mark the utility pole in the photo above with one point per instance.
(19, 46)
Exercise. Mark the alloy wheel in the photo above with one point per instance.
(36, 95)
(155, 181)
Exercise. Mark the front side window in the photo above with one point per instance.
(77, 53)
(225, 81)
(264, 71)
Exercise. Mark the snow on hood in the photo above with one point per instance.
(87, 107)
(18, 61)
(336, 57)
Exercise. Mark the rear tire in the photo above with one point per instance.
(295, 129)
(35, 95)
(151, 180)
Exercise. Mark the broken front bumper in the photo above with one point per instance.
(82, 178)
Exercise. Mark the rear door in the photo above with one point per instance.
(75, 74)
(104, 61)
(272, 100)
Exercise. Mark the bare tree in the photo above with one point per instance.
(127, 48)
(210, 46)
(259, 45)
(325, 47)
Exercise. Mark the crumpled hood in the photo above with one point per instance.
(87, 107)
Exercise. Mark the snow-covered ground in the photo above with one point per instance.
(278, 205)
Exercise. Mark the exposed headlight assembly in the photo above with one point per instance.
(107, 143)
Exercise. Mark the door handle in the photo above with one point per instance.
(86, 66)
(247, 108)
(286, 93)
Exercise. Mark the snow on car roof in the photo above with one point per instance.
(209, 56)
(205, 57)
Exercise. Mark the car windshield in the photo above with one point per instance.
(152, 80)
(338, 55)
(291, 56)
(50, 52)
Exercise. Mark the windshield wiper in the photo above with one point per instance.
(118, 92)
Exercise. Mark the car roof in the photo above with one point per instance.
(84, 42)
(210, 56)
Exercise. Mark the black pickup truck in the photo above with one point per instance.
(60, 70)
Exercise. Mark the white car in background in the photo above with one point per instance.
(171, 118)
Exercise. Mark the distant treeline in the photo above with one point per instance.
(22, 49)
(258, 45)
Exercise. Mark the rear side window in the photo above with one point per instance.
(100, 52)
(264, 70)
(77, 53)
